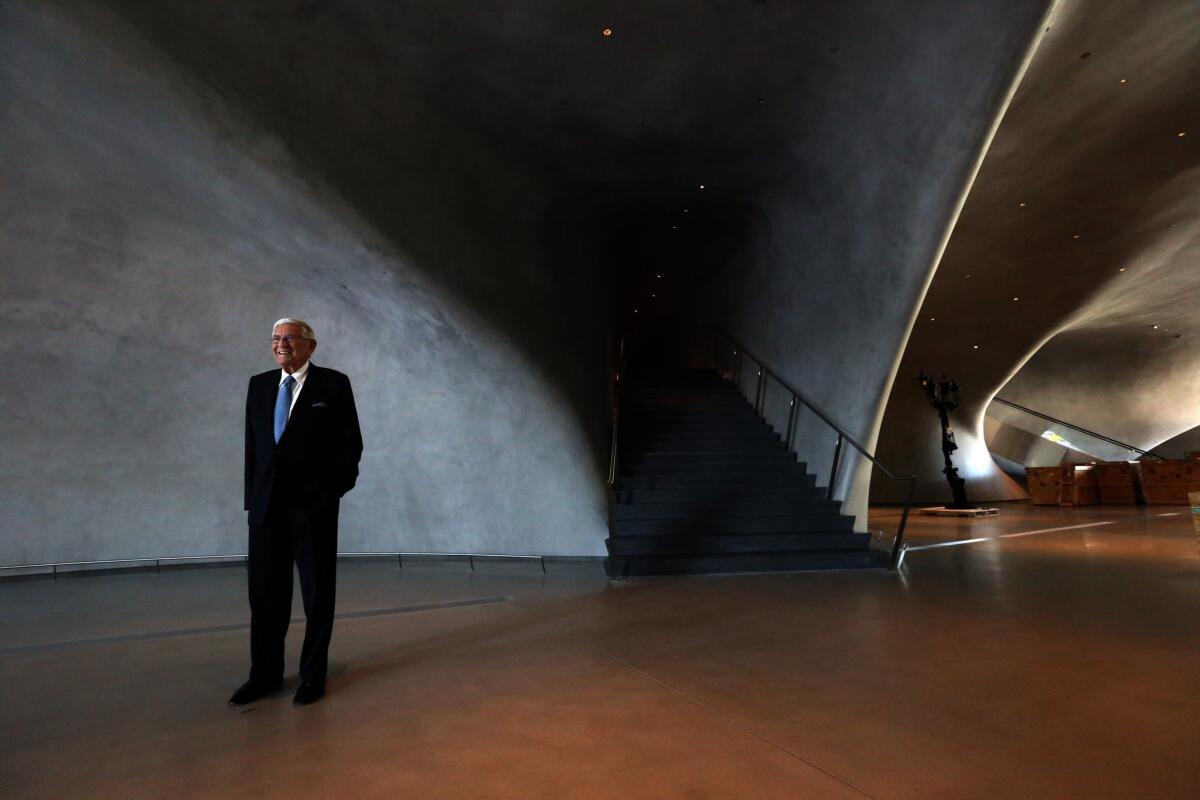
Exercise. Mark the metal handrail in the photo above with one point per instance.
(1085, 431)
(760, 396)
(616, 415)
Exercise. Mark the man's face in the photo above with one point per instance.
(290, 347)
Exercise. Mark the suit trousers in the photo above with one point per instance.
(307, 537)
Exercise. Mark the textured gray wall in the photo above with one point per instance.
(148, 238)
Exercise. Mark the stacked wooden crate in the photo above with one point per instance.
(1076, 485)
(1064, 485)
(1042, 485)
(1119, 482)
(1169, 482)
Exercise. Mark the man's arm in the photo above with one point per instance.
(349, 440)
(249, 446)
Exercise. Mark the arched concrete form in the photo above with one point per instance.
(828, 279)
(1179, 446)
(1079, 236)
(446, 190)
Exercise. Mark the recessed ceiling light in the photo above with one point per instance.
(607, 31)
(933, 319)
(974, 347)
(702, 186)
(1182, 133)
(1154, 326)
(1122, 269)
(966, 276)
(1020, 205)
(1015, 299)
(685, 211)
(653, 295)
(658, 276)
(1075, 236)
(1122, 80)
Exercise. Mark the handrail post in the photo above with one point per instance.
(791, 426)
(760, 393)
(616, 415)
(737, 368)
(895, 557)
(837, 456)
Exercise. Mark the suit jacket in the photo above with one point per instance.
(316, 459)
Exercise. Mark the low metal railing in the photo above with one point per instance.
(54, 569)
(765, 373)
(616, 414)
(1084, 431)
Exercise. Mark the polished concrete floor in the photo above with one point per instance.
(1060, 664)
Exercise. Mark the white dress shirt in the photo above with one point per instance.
(299, 375)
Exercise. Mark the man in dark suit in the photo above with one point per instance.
(302, 449)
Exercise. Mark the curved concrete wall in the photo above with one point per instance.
(1079, 238)
(430, 185)
(149, 237)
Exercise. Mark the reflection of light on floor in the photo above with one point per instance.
(908, 550)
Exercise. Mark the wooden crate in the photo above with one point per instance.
(1169, 482)
(1076, 485)
(1118, 483)
(1043, 485)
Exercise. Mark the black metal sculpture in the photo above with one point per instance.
(944, 396)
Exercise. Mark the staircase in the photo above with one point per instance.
(705, 486)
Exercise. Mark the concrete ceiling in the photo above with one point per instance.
(718, 92)
(1080, 235)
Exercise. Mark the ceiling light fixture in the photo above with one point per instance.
(1015, 299)
(1075, 236)
(1122, 269)
(974, 347)
(1021, 205)
(607, 31)
(1182, 134)
(1122, 80)
(702, 187)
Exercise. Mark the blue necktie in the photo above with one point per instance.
(283, 404)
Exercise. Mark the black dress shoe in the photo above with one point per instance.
(308, 693)
(250, 691)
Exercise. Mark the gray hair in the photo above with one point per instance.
(305, 329)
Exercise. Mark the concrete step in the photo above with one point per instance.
(717, 482)
(699, 509)
(710, 545)
(685, 526)
(728, 563)
(717, 494)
